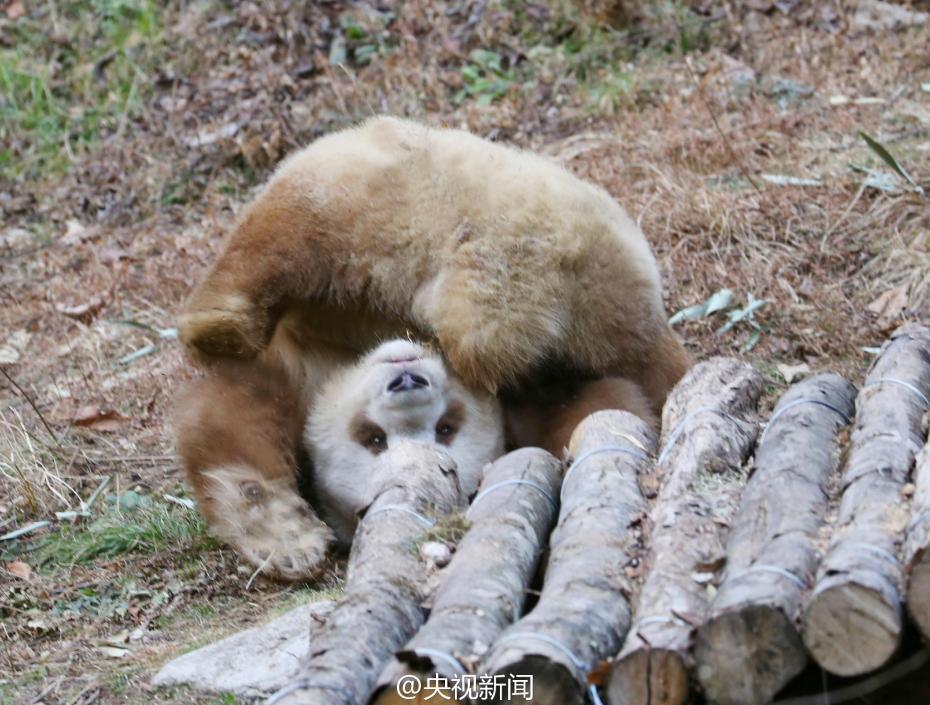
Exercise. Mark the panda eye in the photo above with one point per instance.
(376, 441)
(367, 433)
(450, 422)
(445, 432)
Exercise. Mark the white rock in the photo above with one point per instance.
(436, 553)
(15, 238)
(251, 664)
(877, 15)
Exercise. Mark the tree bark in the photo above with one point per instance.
(583, 611)
(707, 439)
(853, 620)
(917, 548)
(751, 647)
(412, 485)
(484, 587)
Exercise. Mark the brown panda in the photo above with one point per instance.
(241, 433)
(534, 285)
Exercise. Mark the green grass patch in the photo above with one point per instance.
(147, 529)
(225, 699)
(485, 78)
(329, 590)
(11, 690)
(74, 71)
(198, 619)
(596, 58)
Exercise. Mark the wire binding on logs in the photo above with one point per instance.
(426, 521)
(635, 452)
(680, 427)
(535, 485)
(901, 383)
(798, 402)
(434, 654)
(774, 569)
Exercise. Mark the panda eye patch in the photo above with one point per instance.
(376, 440)
(450, 422)
(367, 433)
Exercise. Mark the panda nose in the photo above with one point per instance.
(407, 381)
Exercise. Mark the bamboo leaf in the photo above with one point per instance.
(746, 314)
(886, 157)
(718, 301)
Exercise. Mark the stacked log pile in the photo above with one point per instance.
(853, 620)
(710, 433)
(721, 566)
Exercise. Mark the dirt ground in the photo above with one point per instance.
(131, 132)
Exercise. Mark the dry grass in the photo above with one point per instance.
(31, 469)
(154, 123)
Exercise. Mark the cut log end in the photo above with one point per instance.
(649, 677)
(918, 592)
(746, 656)
(552, 684)
(851, 629)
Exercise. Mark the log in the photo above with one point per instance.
(853, 620)
(484, 587)
(917, 547)
(707, 439)
(583, 610)
(382, 607)
(750, 647)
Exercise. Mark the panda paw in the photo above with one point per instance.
(269, 524)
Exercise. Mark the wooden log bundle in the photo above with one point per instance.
(917, 547)
(384, 593)
(654, 590)
(750, 647)
(707, 440)
(484, 587)
(583, 611)
(853, 620)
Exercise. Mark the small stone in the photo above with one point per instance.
(15, 239)
(436, 553)
(702, 578)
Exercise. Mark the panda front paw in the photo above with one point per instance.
(269, 524)
(299, 556)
